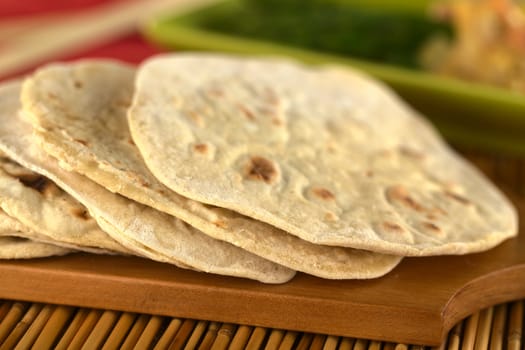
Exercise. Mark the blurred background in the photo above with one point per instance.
(459, 62)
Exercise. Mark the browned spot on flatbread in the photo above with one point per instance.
(369, 173)
(52, 96)
(411, 153)
(277, 121)
(457, 197)
(220, 223)
(329, 216)
(197, 118)
(78, 84)
(80, 213)
(82, 142)
(37, 182)
(323, 193)
(246, 111)
(131, 142)
(431, 227)
(400, 195)
(392, 227)
(261, 169)
(122, 103)
(201, 148)
(215, 92)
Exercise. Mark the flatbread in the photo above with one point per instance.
(79, 112)
(144, 230)
(327, 154)
(19, 242)
(43, 207)
(23, 248)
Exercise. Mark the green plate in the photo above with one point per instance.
(467, 114)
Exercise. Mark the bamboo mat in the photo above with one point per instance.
(38, 326)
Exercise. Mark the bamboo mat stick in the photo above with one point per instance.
(374, 345)
(150, 332)
(360, 344)
(483, 331)
(224, 337)
(119, 331)
(35, 328)
(84, 30)
(135, 332)
(331, 342)
(21, 327)
(288, 340)
(209, 337)
(53, 327)
(318, 342)
(169, 334)
(497, 332)
(196, 335)
(85, 329)
(4, 309)
(389, 346)
(241, 337)
(275, 339)
(256, 339)
(72, 329)
(183, 334)
(11, 319)
(305, 341)
(515, 326)
(401, 347)
(454, 337)
(469, 335)
(347, 344)
(101, 330)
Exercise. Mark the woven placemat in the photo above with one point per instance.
(39, 326)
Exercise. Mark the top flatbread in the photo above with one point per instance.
(79, 112)
(325, 154)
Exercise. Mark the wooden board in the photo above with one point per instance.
(417, 303)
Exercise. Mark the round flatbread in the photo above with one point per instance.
(328, 155)
(79, 113)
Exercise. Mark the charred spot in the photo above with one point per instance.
(247, 112)
(261, 169)
(400, 194)
(323, 193)
(457, 198)
(78, 84)
(36, 182)
(391, 227)
(80, 213)
(201, 148)
(82, 142)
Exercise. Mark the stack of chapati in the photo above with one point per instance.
(253, 168)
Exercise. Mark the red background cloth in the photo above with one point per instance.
(132, 48)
